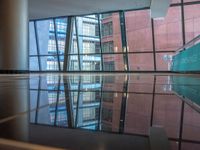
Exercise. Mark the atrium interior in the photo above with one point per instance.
(106, 75)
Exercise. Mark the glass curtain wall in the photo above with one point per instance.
(118, 41)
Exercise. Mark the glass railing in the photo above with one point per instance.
(187, 58)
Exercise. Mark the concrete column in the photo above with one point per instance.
(14, 57)
(13, 35)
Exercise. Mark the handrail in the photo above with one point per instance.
(187, 44)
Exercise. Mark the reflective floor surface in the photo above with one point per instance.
(96, 111)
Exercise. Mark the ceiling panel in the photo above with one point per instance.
(39, 9)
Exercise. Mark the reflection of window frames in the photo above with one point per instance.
(88, 97)
(107, 114)
(52, 63)
(74, 47)
(107, 29)
(89, 114)
(109, 66)
(108, 97)
(89, 65)
(52, 46)
(107, 47)
(89, 29)
(88, 79)
(88, 47)
(109, 79)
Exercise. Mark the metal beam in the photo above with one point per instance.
(37, 45)
(69, 103)
(69, 38)
(123, 105)
(124, 40)
(154, 47)
(100, 37)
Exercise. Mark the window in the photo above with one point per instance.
(109, 66)
(108, 97)
(107, 114)
(168, 32)
(139, 31)
(89, 47)
(192, 21)
(107, 47)
(107, 29)
(89, 29)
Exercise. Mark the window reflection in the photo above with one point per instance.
(94, 102)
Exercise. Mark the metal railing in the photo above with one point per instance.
(188, 44)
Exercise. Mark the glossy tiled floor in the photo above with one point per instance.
(100, 111)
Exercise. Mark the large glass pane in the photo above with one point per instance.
(164, 61)
(192, 21)
(32, 40)
(111, 33)
(88, 34)
(33, 64)
(73, 64)
(90, 62)
(138, 31)
(140, 62)
(46, 38)
(49, 63)
(113, 62)
(61, 29)
(168, 31)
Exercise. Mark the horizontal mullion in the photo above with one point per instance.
(45, 55)
(109, 53)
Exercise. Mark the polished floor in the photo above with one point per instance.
(100, 111)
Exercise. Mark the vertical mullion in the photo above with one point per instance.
(37, 44)
(154, 47)
(153, 101)
(57, 101)
(183, 21)
(69, 38)
(56, 40)
(123, 105)
(38, 101)
(78, 102)
(78, 44)
(69, 103)
(124, 40)
(100, 37)
(181, 125)
(100, 104)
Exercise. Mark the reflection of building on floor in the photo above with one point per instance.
(91, 111)
(84, 99)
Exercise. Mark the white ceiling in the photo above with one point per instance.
(39, 9)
